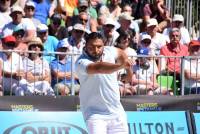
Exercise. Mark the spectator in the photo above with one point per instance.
(171, 66)
(42, 10)
(113, 10)
(84, 6)
(158, 11)
(37, 70)
(17, 20)
(55, 27)
(178, 22)
(191, 69)
(29, 11)
(89, 23)
(146, 43)
(76, 41)
(4, 13)
(157, 40)
(144, 76)
(21, 47)
(61, 71)
(12, 68)
(49, 42)
(108, 32)
(123, 43)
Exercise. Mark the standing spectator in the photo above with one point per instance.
(61, 71)
(55, 27)
(17, 20)
(37, 70)
(191, 69)
(99, 92)
(108, 32)
(178, 22)
(29, 11)
(50, 42)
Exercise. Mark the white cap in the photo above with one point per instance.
(178, 17)
(152, 22)
(17, 9)
(110, 21)
(145, 36)
(30, 3)
(63, 43)
(79, 27)
(125, 16)
(42, 28)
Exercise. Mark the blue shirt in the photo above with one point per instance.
(99, 93)
(56, 65)
(50, 45)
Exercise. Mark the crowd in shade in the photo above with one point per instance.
(41, 40)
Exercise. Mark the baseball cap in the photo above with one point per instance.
(17, 9)
(178, 17)
(110, 21)
(143, 51)
(42, 28)
(194, 43)
(152, 22)
(79, 27)
(63, 44)
(145, 36)
(83, 3)
(36, 40)
(30, 4)
(125, 16)
(9, 39)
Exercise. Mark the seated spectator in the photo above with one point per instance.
(157, 39)
(21, 47)
(37, 70)
(109, 33)
(12, 68)
(61, 71)
(76, 41)
(55, 27)
(144, 76)
(49, 42)
(171, 65)
(18, 20)
(191, 69)
(178, 22)
(29, 11)
(123, 42)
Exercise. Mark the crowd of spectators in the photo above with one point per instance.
(54, 30)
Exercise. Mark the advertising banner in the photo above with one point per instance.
(73, 123)
(42, 123)
(197, 122)
(157, 123)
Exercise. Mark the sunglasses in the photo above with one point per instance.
(56, 23)
(3, 1)
(10, 44)
(146, 42)
(30, 8)
(83, 20)
(110, 26)
(79, 31)
(42, 33)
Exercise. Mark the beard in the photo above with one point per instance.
(95, 57)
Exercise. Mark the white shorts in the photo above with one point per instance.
(107, 126)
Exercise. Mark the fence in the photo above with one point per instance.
(153, 75)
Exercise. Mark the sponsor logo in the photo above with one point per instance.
(45, 127)
(148, 107)
(23, 108)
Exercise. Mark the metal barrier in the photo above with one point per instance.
(150, 74)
